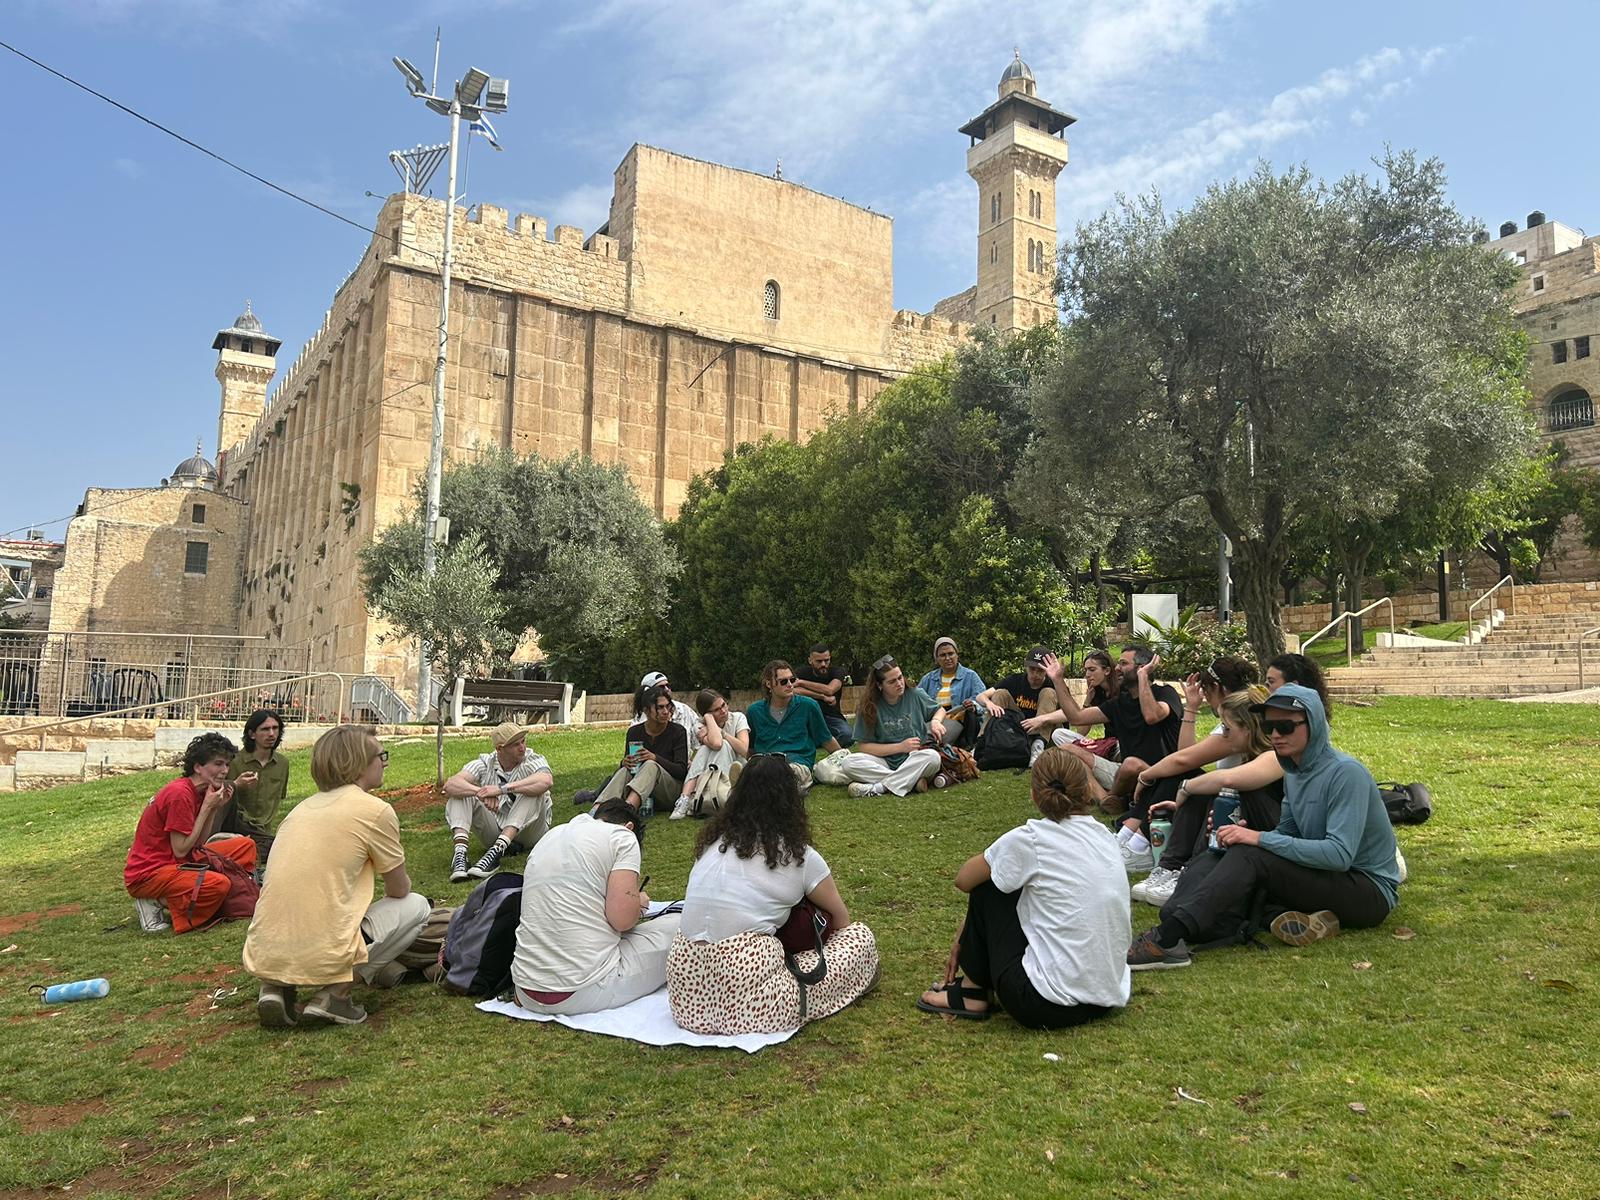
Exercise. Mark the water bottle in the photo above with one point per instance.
(1160, 831)
(1224, 811)
(83, 989)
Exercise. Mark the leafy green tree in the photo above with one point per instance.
(456, 614)
(1520, 531)
(578, 557)
(1285, 351)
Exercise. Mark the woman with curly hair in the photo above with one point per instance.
(1045, 906)
(754, 862)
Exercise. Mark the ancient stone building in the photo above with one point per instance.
(1559, 305)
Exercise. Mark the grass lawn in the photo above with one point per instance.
(1329, 652)
(1456, 1062)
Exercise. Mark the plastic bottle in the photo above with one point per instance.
(1224, 810)
(83, 989)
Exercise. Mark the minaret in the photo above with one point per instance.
(1018, 149)
(247, 359)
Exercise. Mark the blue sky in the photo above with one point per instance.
(125, 251)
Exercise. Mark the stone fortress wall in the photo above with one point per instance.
(557, 346)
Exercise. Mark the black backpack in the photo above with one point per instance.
(482, 938)
(1408, 803)
(1003, 742)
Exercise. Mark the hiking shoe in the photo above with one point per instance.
(1301, 929)
(486, 865)
(275, 1006)
(941, 780)
(865, 789)
(335, 1010)
(1146, 954)
(1157, 889)
(1137, 862)
(458, 866)
(586, 796)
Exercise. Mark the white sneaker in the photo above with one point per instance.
(865, 789)
(1157, 889)
(152, 916)
(1400, 863)
(1038, 749)
(1136, 862)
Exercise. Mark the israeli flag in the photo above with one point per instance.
(481, 125)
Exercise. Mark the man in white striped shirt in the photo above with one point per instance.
(503, 796)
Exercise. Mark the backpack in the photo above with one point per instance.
(482, 938)
(426, 953)
(240, 902)
(1407, 803)
(958, 764)
(1003, 742)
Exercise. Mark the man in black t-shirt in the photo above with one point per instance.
(824, 683)
(1028, 688)
(1143, 716)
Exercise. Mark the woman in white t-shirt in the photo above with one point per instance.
(721, 743)
(754, 862)
(1045, 906)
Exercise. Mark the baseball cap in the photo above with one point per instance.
(650, 680)
(1281, 700)
(507, 732)
(1036, 656)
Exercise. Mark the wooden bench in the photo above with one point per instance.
(550, 699)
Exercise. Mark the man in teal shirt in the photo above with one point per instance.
(787, 724)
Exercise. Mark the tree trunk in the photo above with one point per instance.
(438, 748)
(1255, 580)
(1355, 569)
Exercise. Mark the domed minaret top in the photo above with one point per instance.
(194, 472)
(247, 334)
(1018, 77)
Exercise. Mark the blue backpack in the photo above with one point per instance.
(482, 938)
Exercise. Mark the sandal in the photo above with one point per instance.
(956, 995)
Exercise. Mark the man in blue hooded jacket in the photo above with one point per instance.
(1329, 863)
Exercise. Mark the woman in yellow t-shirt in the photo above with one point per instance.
(316, 924)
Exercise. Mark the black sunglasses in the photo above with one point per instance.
(1282, 728)
(884, 663)
(785, 681)
(1211, 674)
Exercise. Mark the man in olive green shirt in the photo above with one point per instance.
(260, 778)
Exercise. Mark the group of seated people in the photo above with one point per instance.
(1047, 934)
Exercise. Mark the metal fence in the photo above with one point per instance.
(80, 674)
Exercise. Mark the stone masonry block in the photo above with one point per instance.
(297, 737)
(8, 779)
(34, 767)
(171, 742)
(105, 754)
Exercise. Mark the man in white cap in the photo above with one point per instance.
(682, 714)
(503, 796)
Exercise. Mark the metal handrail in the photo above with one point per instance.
(1347, 617)
(1512, 610)
(1581, 636)
(136, 708)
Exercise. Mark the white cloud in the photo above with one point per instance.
(587, 206)
(128, 168)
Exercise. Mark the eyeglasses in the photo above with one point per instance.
(383, 756)
(884, 663)
(1282, 728)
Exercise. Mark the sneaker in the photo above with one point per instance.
(458, 866)
(1400, 863)
(275, 1006)
(865, 789)
(1146, 954)
(335, 1010)
(1157, 889)
(152, 916)
(1301, 929)
(941, 780)
(1036, 750)
(486, 865)
(1137, 862)
(587, 796)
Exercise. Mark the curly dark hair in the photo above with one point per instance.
(257, 719)
(765, 812)
(205, 748)
(1297, 668)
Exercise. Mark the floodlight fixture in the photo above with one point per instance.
(442, 107)
(497, 96)
(414, 80)
(471, 86)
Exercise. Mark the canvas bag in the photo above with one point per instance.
(426, 952)
(482, 938)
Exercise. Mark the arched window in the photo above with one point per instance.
(1570, 409)
(1030, 254)
(994, 207)
(994, 252)
(770, 300)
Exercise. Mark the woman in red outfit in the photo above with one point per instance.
(173, 827)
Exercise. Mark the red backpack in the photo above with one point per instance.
(240, 902)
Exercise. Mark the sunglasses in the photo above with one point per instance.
(1211, 674)
(1282, 728)
(785, 681)
(884, 663)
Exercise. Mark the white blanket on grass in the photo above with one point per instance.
(648, 1020)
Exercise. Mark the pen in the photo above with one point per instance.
(643, 881)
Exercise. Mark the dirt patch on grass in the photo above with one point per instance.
(132, 1175)
(36, 1118)
(315, 1087)
(163, 1056)
(413, 799)
(27, 920)
(211, 975)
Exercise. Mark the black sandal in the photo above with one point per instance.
(956, 996)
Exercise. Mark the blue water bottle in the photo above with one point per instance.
(1224, 811)
(83, 989)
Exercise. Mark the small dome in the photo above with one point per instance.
(197, 469)
(1017, 69)
(249, 322)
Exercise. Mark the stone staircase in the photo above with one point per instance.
(1524, 656)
